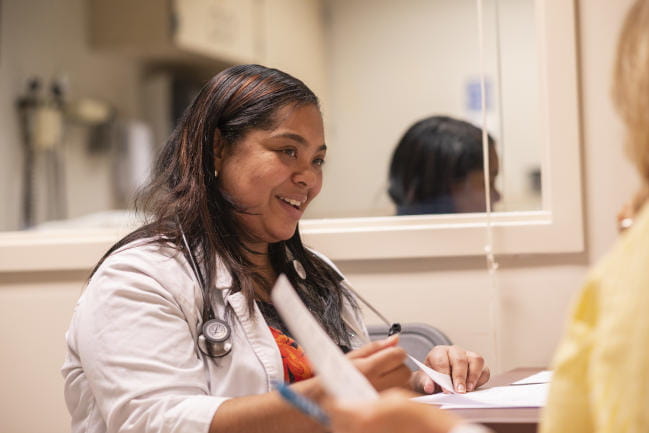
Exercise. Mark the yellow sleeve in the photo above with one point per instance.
(568, 406)
(601, 369)
(619, 362)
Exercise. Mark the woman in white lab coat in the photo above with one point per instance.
(175, 331)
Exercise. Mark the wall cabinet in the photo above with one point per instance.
(185, 31)
(223, 29)
(287, 34)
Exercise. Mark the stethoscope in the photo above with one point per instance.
(215, 338)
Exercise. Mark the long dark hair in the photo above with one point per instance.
(183, 190)
(434, 154)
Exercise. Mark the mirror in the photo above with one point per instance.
(392, 65)
(387, 66)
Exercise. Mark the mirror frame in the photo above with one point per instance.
(556, 228)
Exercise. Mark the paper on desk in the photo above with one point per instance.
(338, 375)
(443, 380)
(540, 377)
(497, 397)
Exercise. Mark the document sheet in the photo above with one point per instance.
(533, 395)
(540, 377)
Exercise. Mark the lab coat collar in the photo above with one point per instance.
(223, 275)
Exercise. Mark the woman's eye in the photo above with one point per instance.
(290, 152)
(319, 162)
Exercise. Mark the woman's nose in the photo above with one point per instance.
(306, 177)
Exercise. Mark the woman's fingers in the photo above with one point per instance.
(373, 347)
(467, 369)
(386, 369)
(382, 363)
(459, 362)
(475, 370)
(417, 382)
(484, 377)
(422, 383)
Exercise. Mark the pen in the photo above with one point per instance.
(302, 403)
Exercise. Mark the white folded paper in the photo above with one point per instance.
(443, 380)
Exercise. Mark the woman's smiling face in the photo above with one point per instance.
(274, 174)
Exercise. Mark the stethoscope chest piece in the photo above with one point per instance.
(214, 339)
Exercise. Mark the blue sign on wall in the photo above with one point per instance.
(474, 95)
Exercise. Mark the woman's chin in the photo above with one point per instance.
(287, 235)
(280, 235)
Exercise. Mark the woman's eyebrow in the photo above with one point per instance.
(298, 138)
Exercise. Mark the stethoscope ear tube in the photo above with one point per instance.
(214, 340)
(395, 328)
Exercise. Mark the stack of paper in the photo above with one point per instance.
(533, 395)
(540, 377)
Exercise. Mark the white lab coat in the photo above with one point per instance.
(133, 364)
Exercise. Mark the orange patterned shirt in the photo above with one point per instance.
(296, 364)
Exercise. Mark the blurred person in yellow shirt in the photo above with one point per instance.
(601, 379)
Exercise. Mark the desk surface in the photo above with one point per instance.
(502, 420)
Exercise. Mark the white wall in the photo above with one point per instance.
(450, 293)
(34, 313)
(49, 44)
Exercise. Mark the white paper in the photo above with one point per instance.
(540, 377)
(443, 380)
(338, 375)
(497, 397)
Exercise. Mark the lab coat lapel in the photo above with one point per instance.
(259, 336)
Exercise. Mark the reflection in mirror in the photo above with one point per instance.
(437, 168)
(393, 65)
(94, 114)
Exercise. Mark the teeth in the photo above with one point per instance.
(292, 202)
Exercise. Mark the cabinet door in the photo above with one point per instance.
(225, 29)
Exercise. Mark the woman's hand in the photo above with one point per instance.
(393, 412)
(382, 363)
(467, 370)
